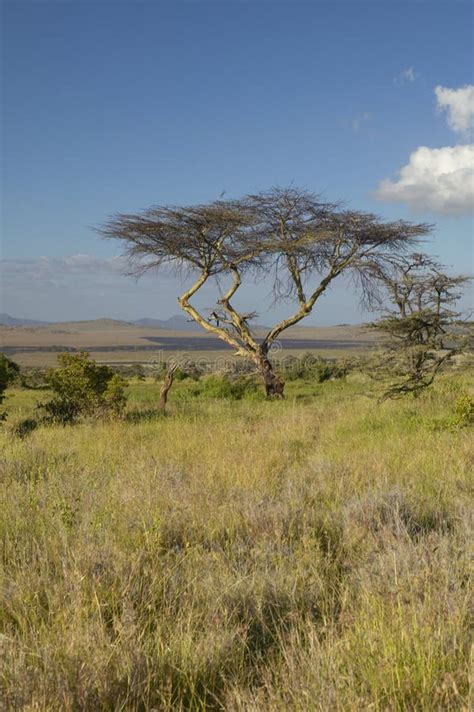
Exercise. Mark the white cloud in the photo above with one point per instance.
(440, 180)
(459, 105)
(437, 179)
(407, 75)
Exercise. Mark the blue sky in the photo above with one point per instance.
(114, 106)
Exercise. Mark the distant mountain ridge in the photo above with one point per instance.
(174, 323)
(7, 320)
(177, 322)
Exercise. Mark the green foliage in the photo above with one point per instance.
(224, 387)
(181, 374)
(115, 398)
(34, 378)
(312, 368)
(464, 410)
(461, 413)
(82, 387)
(9, 373)
(134, 370)
(421, 331)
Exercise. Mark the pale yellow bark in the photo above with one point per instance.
(220, 332)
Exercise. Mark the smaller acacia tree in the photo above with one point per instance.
(421, 331)
(289, 238)
(82, 387)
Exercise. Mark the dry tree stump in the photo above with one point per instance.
(166, 385)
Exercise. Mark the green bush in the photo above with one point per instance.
(34, 378)
(81, 387)
(115, 398)
(9, 372)
(312, 368)
(461, 416)
(464, 410)
(134, 370)
(223, 387)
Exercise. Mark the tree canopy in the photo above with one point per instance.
(421, 330)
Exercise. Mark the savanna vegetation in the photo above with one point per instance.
(239, 553)
(289, 238)
(195, 541)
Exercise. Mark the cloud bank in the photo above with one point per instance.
(83, 287)
(440, 180)
(51, 270)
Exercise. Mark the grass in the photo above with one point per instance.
(309, 554)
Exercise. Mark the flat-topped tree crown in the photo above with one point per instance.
(290, 237)
(194, 238)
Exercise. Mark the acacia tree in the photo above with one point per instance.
(289, 237)
(421, 329)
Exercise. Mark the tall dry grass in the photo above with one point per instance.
(304, 555)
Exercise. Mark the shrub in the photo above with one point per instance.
(115, 399)
(313, 368)
(34, 378)
(221, 386)
(461, 416)
(9, 372)
(464, 410)
(22, 428)
(82, 387)
(134, 370)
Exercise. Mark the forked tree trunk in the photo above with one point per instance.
(274, 385)
(166, 385)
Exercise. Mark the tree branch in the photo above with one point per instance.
(303, 311)
(221, 333)
(236, 318)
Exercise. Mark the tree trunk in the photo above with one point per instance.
(274, 385)
(167, 383)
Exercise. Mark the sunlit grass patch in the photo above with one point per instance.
(239, 554)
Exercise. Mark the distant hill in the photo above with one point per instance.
(177, 322)
(174, 323)
(103, 324)
(7, 320)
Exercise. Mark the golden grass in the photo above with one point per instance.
(304, 555)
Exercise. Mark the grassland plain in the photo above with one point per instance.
(110, 341)
(310, 554)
